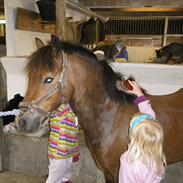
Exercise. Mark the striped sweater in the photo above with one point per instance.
(63, 139)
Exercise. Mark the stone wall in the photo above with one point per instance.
(28, 155)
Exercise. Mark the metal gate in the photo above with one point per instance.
(146, 26)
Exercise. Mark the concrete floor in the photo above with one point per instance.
(14, 177)
(174, 174)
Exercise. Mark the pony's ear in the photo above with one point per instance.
(55, 44)
(39, 43)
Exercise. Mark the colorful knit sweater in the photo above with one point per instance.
(63, 139)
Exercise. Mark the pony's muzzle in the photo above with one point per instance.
(28, 123)
(31, 118)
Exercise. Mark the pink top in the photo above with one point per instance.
(138, 172)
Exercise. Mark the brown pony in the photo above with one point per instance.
(61, 71)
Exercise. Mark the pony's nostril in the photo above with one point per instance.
(21, 123)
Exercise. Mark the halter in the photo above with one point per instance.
(32, 106)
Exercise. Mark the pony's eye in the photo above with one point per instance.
(48, 80)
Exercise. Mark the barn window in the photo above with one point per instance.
(175, 26)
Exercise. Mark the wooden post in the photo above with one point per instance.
(60, 19)
(1, 144)
(165, 31)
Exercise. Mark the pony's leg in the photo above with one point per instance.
(109, 178)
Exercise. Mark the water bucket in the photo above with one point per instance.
(47, 10)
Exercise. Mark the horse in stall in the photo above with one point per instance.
(109, 51)
(63, 72)
(112, 52)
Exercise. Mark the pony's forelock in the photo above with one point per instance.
(43, 58)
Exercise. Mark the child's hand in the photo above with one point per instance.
(135, 89)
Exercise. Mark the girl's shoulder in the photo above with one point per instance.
(139, 170)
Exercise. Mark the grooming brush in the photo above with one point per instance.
(126, 85)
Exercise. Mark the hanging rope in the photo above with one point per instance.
(14, 112)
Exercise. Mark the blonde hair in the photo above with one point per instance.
(146, 144)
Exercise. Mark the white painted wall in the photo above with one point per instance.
(139, 54)
(20, 42)
(16, 76)
(157, 79)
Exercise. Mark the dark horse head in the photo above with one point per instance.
(109, 51)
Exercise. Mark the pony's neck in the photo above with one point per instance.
(95, 118)
(90, 99)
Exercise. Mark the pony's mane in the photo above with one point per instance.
(43, 57)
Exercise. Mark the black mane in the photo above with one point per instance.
(69, 48)
(43, 57)
(109, 76)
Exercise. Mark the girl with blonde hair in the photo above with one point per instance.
(144, 161)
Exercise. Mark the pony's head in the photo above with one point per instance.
(46, 87)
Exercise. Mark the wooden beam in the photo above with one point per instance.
(141, 9)
(78, 7)
(31, 21)
(60, 19)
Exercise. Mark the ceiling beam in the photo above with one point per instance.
(83, 9)
(132, 3)
(142, 9)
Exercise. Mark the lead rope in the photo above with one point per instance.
(14, 112)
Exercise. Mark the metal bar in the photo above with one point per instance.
(165, 31)
(145, 17)
(146, 26)
(176, 35)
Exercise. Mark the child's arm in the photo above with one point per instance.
(141, 101)
(144, 106)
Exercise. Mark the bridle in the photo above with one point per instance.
(59, 87)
